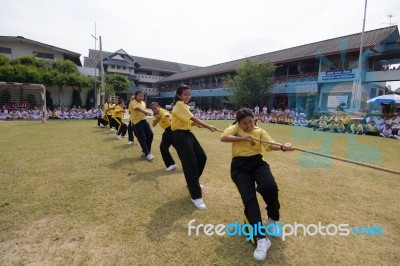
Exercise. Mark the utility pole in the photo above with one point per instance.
(357, 88)
(97, 95)
(102, 89)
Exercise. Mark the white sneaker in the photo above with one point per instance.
(272, 228)
(263, 245)
(149, 157)
(130, 142)
(199, 203)
(142, 155)
(171, 167)
(118, 136)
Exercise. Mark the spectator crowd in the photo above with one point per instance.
(373, 124)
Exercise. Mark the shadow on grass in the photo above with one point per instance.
(241, 251)
(151, 177)
(162, 221)
(110, 139)
(123, 146)
(124, 163)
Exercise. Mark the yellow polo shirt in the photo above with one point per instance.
(137, 116)
(164, 121)
(107, 108)
(181, 116)
(113, 110)
(244, 148)
(118, 113)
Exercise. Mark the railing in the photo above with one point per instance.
(313, 76)
(144, 77)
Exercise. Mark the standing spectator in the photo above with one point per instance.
(265, 110)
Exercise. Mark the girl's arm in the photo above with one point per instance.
(285, 147)
(142, 111)
(232, 138)
(202, 124)
(156, 119)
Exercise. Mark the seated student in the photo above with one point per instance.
(356, 128)
(35, 113)
(386, 132)
(53, 114)
(333, 118)
(312, 123)
(345, 120)
(340, 128)
(322, 125)
(281, 119)
(303, 122)
(288, 120)
(332, 126)
(296, 122)
(371, 129)
(380, 123)
(273, 119)
(394, 123)
(3, 113)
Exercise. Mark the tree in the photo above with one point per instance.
(252, 82)
(117, 83)
(29, 69)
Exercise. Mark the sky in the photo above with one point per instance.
(194, 32)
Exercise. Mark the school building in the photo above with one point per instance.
(322, 71)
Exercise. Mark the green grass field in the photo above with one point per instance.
(71, 194)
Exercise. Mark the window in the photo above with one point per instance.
(118, 67)
(124, 68)
(43, 55)
(5, 50)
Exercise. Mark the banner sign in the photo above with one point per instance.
(338, 74)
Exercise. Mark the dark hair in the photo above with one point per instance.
(154, 104)
(137, 92)
(179, 92)
(243, 113)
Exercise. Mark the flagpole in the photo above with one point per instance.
(357, 89)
